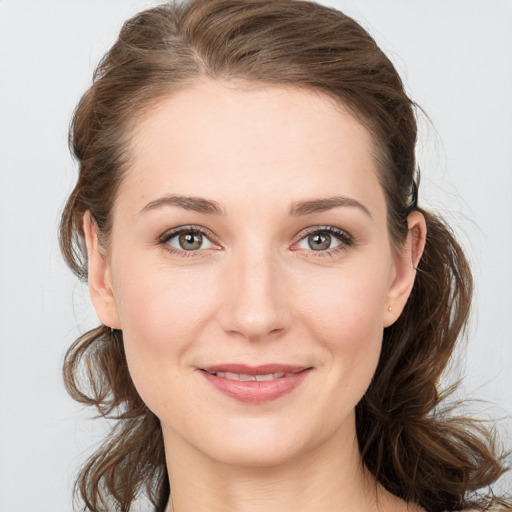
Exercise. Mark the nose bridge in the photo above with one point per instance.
(254, 304)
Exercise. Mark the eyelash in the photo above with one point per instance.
(172, 233)
(346, 240)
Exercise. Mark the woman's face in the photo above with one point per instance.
(250, 270)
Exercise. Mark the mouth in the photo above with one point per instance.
(256, 384)
(246, 377)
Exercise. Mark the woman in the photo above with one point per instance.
(276, 308)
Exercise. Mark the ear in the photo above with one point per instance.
(406, 263)
(99, 276)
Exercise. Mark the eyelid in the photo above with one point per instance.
(345, 239)
(164, 238)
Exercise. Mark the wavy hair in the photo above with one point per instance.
(411, 447)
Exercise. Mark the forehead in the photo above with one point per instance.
(231, 140)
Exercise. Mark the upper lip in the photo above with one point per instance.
(263, 369)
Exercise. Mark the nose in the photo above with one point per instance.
(254, 301)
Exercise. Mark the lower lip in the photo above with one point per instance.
(257, 391)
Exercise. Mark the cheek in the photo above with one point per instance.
(346, 303)
(162, 315)
(344, 314)
(160, 306)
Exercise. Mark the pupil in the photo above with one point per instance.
(191, 241)
(319, 241)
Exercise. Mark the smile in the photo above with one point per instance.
(245, 377)
(255, 384)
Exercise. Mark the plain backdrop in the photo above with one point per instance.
(455, 57)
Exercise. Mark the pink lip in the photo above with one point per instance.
(255, 370)
(256, 391)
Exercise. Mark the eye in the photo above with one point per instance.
(186, 239)
(325, 239)
(319, 241)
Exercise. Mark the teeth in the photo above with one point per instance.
(260, 378)
(244, 377)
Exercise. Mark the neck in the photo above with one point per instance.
(330, 478)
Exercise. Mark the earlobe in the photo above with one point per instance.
(406, 264)
(99, 276)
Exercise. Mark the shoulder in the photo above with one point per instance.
(492, 507)
(498, 507)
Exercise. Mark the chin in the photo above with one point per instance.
(257, 453)
(258, 442)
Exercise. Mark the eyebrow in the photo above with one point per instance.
(319, 205)
(196, 204)
(297, 209)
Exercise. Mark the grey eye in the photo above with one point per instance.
(322, 240)
(319, 241)
(190, 241)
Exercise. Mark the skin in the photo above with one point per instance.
(254, 293)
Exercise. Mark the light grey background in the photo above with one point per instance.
(455, 57)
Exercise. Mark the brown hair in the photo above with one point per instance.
(413, 449)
